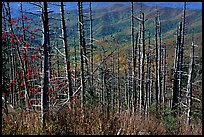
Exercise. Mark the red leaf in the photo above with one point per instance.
(31, 99)
(35, 30)
(24, 17)
(36, 89)
(11, 22)
(35, 51)
(21, 94)
(23, 29)
(11, 39)
(21, 39)
(29, 106)
(9, 89)
(22, 75)
(56, 81)
(74, 99)
(32, 58)
(12, 35)
(69, 103)
(27, 77)
(51, 98)
(26, 45)
(29, 83)
(31, 18)
(13, 82)
(18, 19)
(22, 83)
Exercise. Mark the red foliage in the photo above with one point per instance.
(35, 51)
(13, 82)
(12, 35)
(74, 99)
(35, 30)
(18, 19)
(29, 106)
(69, 103)
(29, 83)
(11, 40)
(21, 39)
(11, 22)
(56, 81)
(51, 98)
(26, 45)
(22, 75)
(29, 71)
(22, 83)
(24, 17)
(9, 89)
(31, 19)
(32, 58)
(70, 70)
(31, 99)
(21, 95)
(37, 89)
(23, 29)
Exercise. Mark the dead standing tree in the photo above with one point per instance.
(189, 83)
(82, 47)
(141, 60)
(67, 51)
(45, 84)
(176, 92)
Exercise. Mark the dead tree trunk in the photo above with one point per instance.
(148, 78)
(45, 104)
(175, 101)
(91, 43)
(67, 51)
(189, 85)
(81, 44)
(133, 56)
(143, 59)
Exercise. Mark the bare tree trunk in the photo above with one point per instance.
(81, 44)
(181, 55)
(118, 80)
(143, 59)
(164, 76)
(23, 32)
(189, 85)
(45, 65)
(176, 92)
(91, 43)
(156, 60)
(148, 78)
(133, 57)
(129, 84)
(67, 51)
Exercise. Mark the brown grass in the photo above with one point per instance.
(93, 122)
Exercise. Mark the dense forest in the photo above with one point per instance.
(113, 70)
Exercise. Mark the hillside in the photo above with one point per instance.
(115, 21)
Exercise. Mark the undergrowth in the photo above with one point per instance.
(94, 122)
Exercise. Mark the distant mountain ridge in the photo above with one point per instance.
(73, 5)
